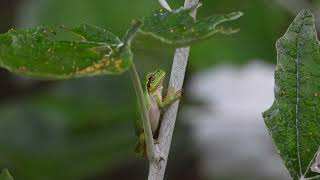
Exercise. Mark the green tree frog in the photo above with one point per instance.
(154, 103)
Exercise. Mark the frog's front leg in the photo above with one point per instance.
(169, 99)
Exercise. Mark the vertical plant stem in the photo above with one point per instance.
(144, 113)
(157, 168)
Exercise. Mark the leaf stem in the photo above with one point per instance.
(131, 33)
(144, 114)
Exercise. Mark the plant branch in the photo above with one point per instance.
(157, 169)
(144, 114)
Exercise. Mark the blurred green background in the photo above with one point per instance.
(83, 129)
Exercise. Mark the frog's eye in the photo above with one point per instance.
(151, 78)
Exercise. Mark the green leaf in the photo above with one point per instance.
(5, 175)
(179, 28)
(96, 34)
(293, 120)
(36, 52)
(43, 53)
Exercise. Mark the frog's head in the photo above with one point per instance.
(155, 80)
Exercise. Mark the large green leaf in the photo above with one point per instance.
(5, 175)
(179, 28)
(36, 52)
(293, 120)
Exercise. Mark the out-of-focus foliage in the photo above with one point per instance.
(5, 175)
(293, 120)
(69, 132)
(259, 29)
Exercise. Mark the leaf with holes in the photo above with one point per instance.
(5, 175)
(42, 52)
(179, 28)
(293, 119)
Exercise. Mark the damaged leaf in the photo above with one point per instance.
(34, 52)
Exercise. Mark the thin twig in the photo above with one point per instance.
(157, 169)
(144, 114)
